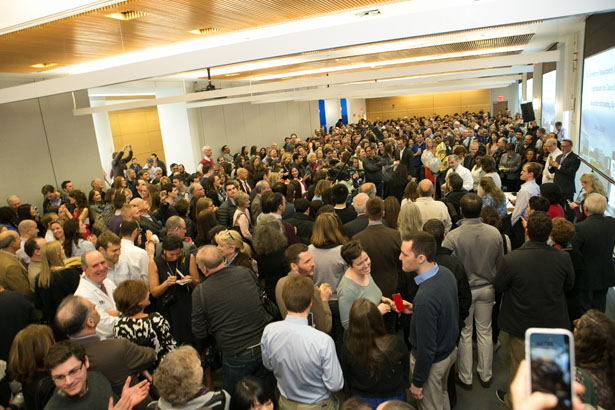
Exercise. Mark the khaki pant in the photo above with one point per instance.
(328, 404)
(516, 347)
(435, 393)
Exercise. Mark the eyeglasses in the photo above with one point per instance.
(61, 378)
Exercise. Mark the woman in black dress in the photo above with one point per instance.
(172, 276)
(54, 283)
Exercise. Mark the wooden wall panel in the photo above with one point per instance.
(427, 104)
(139, 128)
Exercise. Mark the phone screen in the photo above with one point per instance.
(550, 366)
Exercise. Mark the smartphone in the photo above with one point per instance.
(550, 354)
(310, 319)
(399, 304)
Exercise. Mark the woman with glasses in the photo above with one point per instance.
(172, 276)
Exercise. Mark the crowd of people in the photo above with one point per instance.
(355, 264)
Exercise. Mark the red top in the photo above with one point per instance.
(556, 211)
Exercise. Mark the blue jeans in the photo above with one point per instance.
(249, 363)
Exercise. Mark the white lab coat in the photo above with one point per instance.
(94, 294)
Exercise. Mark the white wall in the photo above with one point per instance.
(43, 143)
(333, 112)
(510, 94)
(356, 109)
(248, 124)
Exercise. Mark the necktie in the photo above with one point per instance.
(104, 289)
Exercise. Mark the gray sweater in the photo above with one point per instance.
(479, 248)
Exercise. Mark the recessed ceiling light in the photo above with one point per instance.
(203, 31)
(43, 65)
(231, 75)
(127, 15)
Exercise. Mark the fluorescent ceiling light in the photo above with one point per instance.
(126, 15)
(376, 64)
(43, 65)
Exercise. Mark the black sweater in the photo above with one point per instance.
(390, 378)
(434, 326)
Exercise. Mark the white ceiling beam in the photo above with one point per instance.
(474, 64)
(427, 17)
(342, 90)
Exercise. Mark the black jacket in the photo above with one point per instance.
(373, 169)
(595, 239)
(225, 213)
(533, 279)
(304, 225)
(564, 176)
(355, 226)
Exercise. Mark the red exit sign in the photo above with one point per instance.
(500, 98)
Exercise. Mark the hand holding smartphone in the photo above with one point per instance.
(399, 303)
(550, 354)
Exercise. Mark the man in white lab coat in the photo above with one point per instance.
(95, 287)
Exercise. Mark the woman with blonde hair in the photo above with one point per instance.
(235, 251)
(273, 178)
(492, 195)
(55, 281)
(27, 364)
(410, 219)
(590, 184)
(241, 217)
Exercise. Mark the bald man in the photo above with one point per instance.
(355, 226)
(430, 208)
(27, 229)
(13, 275)
(207, 158)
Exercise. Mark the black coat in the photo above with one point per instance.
(595, 240)
(564, 176)
(355, 226)
(533, 279)
(304, 225)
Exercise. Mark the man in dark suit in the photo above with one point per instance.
(145, 220)
(242, 178)
(595, 240)
(227, 209)
(533, 279)
(404, 155)
(355, 226)
(303, 223)
(383, 246)
(116, 359)
(565, 168)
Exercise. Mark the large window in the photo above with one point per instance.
(548, 101)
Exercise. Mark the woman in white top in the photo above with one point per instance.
(241, 217)
(74, 244)
(487, 163)
(477, 172)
